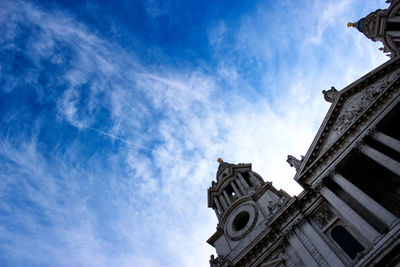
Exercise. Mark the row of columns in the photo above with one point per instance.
(380, 158)
(307, 243)
(239, 185)
(346, 212)
(367, 231)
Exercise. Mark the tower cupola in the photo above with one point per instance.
(242, 202)
(382, 25)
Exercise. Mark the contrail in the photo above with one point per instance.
(145, 148)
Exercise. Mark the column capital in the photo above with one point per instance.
(371, 131)
(330, 173)
(359, 145)
(318, 185)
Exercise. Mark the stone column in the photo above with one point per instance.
(381, 159)
(237, 191)
(223, 202)
(349, 215)
(387, 141)
(218, 205)
(383, 214)
(241, 186)
(242, 180)
(323, 248)
(301, 251)
(310, 247)
(227, 197)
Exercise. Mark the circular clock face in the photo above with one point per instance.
(241, 221)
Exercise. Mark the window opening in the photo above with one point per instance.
(240, 221)
(346, 241)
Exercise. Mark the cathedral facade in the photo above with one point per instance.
(348, 213)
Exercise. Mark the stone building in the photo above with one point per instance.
(348, 213)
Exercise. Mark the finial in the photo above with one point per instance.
(351, 24)
(220, 161)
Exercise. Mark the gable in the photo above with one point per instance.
(348, 106)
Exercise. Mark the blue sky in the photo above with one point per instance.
(113, 115)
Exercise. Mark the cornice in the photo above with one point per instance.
(264, 188)
(215, 236)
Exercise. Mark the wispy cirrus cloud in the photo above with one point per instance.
(106, 160)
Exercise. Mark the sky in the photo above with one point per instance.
(113, 114)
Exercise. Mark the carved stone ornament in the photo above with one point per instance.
(293, 162)
(323, 216)
(330, 95)
(355, 105)
(318, 185)
(275, 206)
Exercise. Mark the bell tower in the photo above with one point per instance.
(382, 25)
(243, 202)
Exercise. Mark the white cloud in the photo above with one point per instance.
(172, 124)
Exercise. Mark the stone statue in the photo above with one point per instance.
(215, 262)
(330, 95)
(293, 162)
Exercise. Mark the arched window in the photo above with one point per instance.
(346, 241)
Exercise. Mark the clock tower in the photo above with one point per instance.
(243, 202)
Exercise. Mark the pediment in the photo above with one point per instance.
(349, 105)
